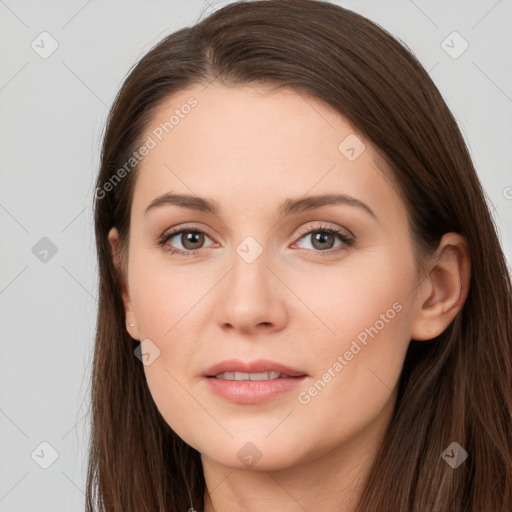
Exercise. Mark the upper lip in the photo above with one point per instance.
(258, 366)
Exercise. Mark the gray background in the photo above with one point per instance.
(52, 113)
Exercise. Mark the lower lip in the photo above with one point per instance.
(252, 391)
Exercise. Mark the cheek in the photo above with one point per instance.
(167, 306)
(343, 301)
(162, 294)
(358, 359)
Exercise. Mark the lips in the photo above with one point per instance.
(258, 366)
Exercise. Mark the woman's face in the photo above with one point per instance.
(267, 279)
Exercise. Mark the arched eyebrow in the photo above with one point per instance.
(287, 207)
(308, 203)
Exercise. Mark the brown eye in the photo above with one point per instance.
(322, 240)
(185, 241)
(192, 240)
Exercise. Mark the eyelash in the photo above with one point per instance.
(347, 241)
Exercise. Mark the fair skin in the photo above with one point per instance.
(299, 302)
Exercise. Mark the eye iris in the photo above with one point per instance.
(320, 237)
(191, 237)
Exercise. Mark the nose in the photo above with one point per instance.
(251, 297)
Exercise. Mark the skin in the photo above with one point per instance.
(250, 149)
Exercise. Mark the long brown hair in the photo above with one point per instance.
(455, 388)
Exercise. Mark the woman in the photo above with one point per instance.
(240, 365)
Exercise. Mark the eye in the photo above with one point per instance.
(190, 238)
(323, 238)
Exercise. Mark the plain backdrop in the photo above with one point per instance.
(53, 108)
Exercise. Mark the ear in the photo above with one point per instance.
(445, 290)
(131, 321)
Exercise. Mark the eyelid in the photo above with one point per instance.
(324, 225)
(185, 227)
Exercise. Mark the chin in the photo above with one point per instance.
(256, 455)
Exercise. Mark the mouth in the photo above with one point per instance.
(271, 375)
(261, 369)
(254, 382)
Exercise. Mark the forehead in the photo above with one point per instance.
(249, 120)
(230, 141)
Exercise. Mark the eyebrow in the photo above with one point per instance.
(287, 207)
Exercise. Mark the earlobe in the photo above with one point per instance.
(131, 326)
(131, 323)
(446, 288)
